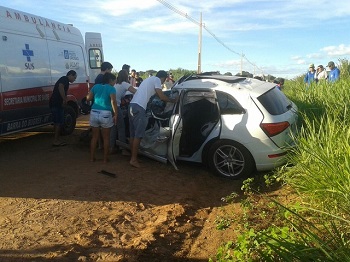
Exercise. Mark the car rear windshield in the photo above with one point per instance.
(275, 102)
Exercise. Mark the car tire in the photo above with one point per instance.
(230, 159)
(70, 120)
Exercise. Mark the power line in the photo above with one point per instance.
(174, 9)
(217, 39)
(171, 7)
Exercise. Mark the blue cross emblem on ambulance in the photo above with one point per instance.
(27, 52)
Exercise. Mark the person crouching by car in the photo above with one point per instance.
(103, 113)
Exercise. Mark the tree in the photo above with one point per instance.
(178, 73)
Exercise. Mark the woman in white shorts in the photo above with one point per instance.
(103, 114)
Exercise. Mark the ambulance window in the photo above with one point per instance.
(95, 58)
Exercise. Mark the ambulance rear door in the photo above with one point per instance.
(94, 50)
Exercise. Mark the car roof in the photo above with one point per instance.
(252, 86)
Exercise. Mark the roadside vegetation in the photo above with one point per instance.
(313, 223)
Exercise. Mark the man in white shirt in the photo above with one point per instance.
(137, 110)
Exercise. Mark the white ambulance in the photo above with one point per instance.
(34, 53)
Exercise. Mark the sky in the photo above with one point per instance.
(273, 37)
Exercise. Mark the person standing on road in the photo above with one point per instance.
(137, 110)
(57, 102)
(106, 67)
(138, 79)
(169, 82)
(105, 104)
(121, 87)
(126, 68)
(132, 78)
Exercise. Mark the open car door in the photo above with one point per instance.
(192, 121)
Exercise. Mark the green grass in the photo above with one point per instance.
(318, 227)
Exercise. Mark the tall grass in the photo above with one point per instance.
(319, 229)
(321, 170)
(320, 173)
(321, 161)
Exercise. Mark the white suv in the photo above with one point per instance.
(234, 125)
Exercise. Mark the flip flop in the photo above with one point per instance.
(60, 144)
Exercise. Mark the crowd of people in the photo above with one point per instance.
(107, 119)
(320, 74)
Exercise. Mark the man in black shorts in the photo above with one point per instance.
(57, 102)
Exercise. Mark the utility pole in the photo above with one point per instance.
(199, 69)
(242, 64)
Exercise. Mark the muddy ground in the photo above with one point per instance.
(56, 206)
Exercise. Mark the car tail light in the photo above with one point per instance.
(277, 155)
(272, 129)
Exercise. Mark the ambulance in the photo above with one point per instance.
(34, 53)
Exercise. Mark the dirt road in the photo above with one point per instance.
(56, 206)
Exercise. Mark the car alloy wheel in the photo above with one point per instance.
(230, 159)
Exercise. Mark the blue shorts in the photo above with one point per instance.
(57, 115)
(101, 118)
(137, 121)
